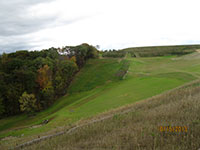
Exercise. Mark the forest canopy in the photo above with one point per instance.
(31, 81)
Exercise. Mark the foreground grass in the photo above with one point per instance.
(140, 128)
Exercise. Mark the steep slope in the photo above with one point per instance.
(104, 74)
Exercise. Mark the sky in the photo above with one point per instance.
(112, 24)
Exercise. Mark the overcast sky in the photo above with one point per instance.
(38, 24)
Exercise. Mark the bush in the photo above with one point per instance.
(28, 103)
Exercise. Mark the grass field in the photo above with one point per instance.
(151, 51)
(142, 128)
(97, 88)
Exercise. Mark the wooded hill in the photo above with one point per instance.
(32, 81)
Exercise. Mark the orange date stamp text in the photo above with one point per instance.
(175, 129)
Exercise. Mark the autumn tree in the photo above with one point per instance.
(82, 53)
(28, 103)
(46, 74)
(44, 77)
(73, 58)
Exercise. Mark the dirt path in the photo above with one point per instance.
(198, 50)
(119, 111)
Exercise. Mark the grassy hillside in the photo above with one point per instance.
(142, 128)
(18, 125)
(98, 88)
(96, 73)
(161, 50)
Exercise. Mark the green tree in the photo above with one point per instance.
(47, 96)
(82, 53)
(28, 103)
(2, 109)
(59, 85)
(4, 58)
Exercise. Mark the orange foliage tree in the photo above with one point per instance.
(44, 77)
(73, 58)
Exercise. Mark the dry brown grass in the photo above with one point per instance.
(139, 129)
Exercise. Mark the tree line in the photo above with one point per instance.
(113, 53)
(31, 81)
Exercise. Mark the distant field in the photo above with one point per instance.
(97, 89)
(161, 50)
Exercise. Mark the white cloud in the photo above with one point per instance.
(117, 23)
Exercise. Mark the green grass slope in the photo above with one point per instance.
(96, 73)
(100, 72)
(98, 88)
